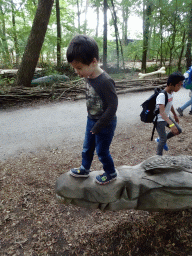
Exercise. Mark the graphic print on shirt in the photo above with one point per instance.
(94, 102)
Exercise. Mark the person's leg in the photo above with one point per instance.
(87, 152)
(188, 103)
(162, 137)
(103, 142)
(88, 145)
(170, 134)
(190, 95)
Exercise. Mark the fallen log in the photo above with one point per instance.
(49, 79)
(73, 90)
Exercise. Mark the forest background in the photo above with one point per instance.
(36, 33)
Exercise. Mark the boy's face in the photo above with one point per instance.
(83, 70)
(177, 87)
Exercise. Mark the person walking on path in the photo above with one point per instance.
(174, 84)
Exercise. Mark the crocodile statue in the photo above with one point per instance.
(50, 79)
(157, 184)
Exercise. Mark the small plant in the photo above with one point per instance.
(7, 81)
(118, 76)
(152, 68)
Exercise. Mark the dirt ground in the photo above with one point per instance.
(33, 223)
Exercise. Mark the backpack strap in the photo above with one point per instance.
(155, 122)
(154, 126)
(166, 97)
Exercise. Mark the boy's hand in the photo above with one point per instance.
(174, 130)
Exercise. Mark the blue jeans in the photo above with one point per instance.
(101, 142)
(187, 104)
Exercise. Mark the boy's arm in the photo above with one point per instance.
(174, 114)
(107, 91)
(173, 128)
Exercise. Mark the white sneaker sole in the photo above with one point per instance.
(104, 183)
(79, 175)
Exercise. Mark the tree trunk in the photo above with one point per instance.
(189, 37)
(15, 35)
(58, 34)
(161, 35)
(97, 26)
(116, 33)
(105, 36)
(85, 23)
(78, 15)
(181, 53)
(171, 41)
(6, 55)
(125, 13)
(146, 26)
(35, 42)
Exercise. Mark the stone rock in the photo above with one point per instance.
(158, 183)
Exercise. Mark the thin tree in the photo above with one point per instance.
(3, 37)
(105, 36)
(147, 11)
(181, 52)
(189, 37)
(161, 34)
(97, 10)
(125, 15)
(79, 16)
(116, 32)
(117, 37)
(35, 42)
(85, 23)
(96, 4)
(58, 34)
(15, 34)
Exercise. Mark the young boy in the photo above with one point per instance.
(174, 84)
(101, 100)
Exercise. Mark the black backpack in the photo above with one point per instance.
(149, 112)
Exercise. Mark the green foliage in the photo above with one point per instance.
(133, 51)
(118, 76)
(24, 12)
(168, 23)
(152, 68)
(4, 82)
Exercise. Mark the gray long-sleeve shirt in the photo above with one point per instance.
(102, 100)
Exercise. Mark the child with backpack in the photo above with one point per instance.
(174, 84)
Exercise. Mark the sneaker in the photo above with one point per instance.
(180, 111)
(79, 172)
(105, 178)
(190, 112)
(165, 146)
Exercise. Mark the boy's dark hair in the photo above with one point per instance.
(82, 48)
(175, 78)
